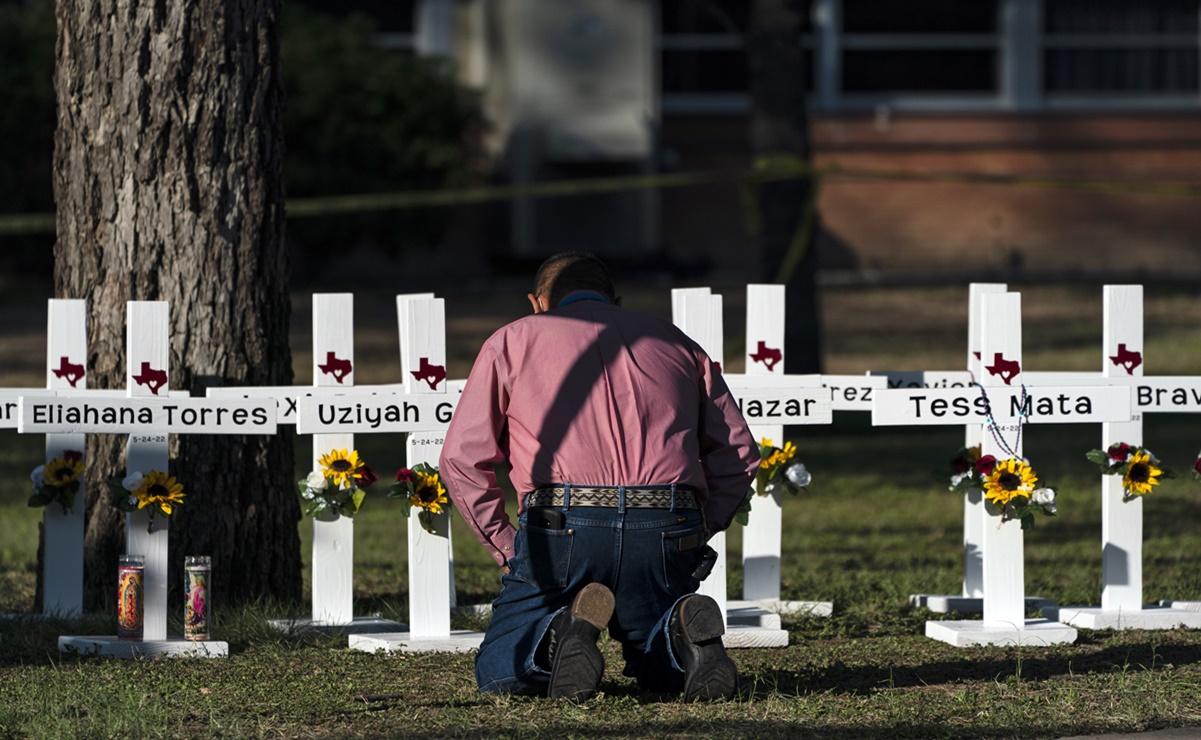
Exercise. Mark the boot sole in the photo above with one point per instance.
(593, 604)
(708, 671)
(579, 664)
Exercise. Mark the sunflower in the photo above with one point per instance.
(777, 456)
(62, 471)
(428, 492)
(159, 490)
(1008, 479)
(1142, 474)
(341, 467)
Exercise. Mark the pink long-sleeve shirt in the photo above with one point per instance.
(594, 395)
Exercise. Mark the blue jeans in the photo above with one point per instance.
(645, 556)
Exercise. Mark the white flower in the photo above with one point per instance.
(316, 482)
(798, 475)
(1045, 497)
(132, 501)
(132, 482)
(957, 478)
(38, 476)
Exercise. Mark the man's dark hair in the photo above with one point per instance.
(566, 272)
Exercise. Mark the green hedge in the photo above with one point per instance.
(358, 118)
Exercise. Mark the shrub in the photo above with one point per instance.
(361, 119)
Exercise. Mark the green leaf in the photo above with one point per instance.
(400, 491)
(1028, 521)
(1100, 457)
(743, 514)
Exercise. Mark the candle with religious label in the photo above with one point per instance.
(197, 569)
(130, 586)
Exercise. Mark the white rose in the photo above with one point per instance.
(798, 475)
(38, 476)
(1045, 497)
(957, 478)
(132, 482)
(315, 482)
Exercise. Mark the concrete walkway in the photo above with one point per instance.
(1176, 733)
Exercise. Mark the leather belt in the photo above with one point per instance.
(636, 497)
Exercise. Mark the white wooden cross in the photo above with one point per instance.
(66, 372)
(66, 375)
(764, 400)
(332, 587)
(431, 555)
(1123, 360)
(333, 534)
(1004, 619)
(971, 598)
(148, 413)
(66, 363)
(423, 410)
(765, 363)
(329, 421)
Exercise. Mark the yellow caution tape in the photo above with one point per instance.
(767, 169)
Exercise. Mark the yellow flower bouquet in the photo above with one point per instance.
(1141, 471)
(339, 486)
(421, 487)
(1011, 486)
(156, 490)
(57, 480)
(777, 470)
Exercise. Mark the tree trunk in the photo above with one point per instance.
(780, 130)
(168, 178)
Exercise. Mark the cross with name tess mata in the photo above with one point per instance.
(148, 414)
(1121, 520)
(1002, 410)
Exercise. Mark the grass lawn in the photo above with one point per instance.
(875, 527)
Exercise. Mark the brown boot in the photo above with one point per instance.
(576, 663)
(695, 630)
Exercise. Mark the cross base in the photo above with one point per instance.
(742, 611)
(752, 636)
(1146, 618)
(459, 641)
(969, 632)
(943, 604)
(358, 624)
(115, 647)
(1192, 606)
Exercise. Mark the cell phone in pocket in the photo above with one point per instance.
(705, 565)
(546, 517)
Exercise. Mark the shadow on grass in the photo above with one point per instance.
(839, 678)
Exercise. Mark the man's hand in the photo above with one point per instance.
(504, 569)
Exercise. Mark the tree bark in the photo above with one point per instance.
(168, 178)
(780, 130)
